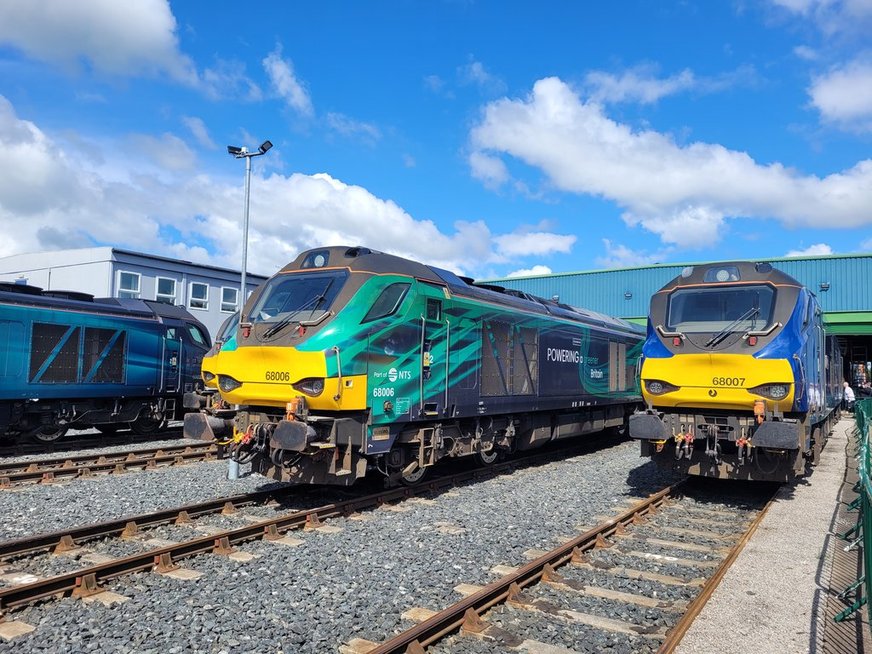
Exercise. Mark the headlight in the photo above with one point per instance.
(772, 391)
(657, 387)
(227, 383)
(208, 376)
(313, 386)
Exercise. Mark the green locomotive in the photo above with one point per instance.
(349, 360)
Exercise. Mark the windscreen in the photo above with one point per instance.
(706, 310)
(228, 328)
(298, 296)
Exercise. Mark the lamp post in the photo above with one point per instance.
(243, 153)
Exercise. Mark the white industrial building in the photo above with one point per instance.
(210, 293)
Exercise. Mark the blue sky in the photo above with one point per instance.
(492, 138)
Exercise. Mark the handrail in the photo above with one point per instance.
(338, 396)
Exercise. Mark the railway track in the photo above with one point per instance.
(51, 564)
(86, 441)
(670, 550)
(86, 465)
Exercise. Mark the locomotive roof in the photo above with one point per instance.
(367, 260)
(730, 272)
(34, 296)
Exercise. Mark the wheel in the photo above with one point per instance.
(147, 424)
(415, 477)
(486, 458)
(48, 433)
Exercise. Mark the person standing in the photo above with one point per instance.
(848, 397)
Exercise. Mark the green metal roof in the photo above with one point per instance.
(841, 282)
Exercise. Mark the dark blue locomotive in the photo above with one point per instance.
(68, 360)
(739, 376)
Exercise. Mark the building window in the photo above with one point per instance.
(199, 296)
(166, 290)
(128, 285)
(229, 299)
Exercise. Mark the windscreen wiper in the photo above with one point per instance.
(729, 329)
(311, 304)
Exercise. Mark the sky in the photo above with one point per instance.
(491, 137)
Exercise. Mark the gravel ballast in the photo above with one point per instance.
(333, 587)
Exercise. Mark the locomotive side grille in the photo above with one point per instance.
(509, 360)
(525, 362)
(54, 355)
(104, 355)
(495, 359)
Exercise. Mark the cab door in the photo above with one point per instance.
(433, 352)
(171, 359)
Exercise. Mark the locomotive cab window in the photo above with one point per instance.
(705, 310)
(197, 335)
(434, 309)
(298, 296)
(388, 302)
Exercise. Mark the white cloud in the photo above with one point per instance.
(620, 256)
(637, 84)
(228, 81)
(643, 84)
(682, 193)
(522, 243)
(126, 39)
(349, 127)
(286, 84)
(806, 53)
(538, 269)
(108, 193)
(199, 131)
(434, 83)
(167, 151)
(489, 170)
(832, 16)
(474, 73)
(844, 95)
(134, 37)
(811, 251)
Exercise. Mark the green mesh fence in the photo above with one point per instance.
(861, 533)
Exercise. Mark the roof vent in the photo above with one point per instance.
(357, 251)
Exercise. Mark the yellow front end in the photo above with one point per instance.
(268, 374)
(716, 381)
(207, 367)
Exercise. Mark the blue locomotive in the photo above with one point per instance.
(68, 360)
(738, 374)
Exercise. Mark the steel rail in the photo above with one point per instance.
(61, 461)
(674, 635)
(78, 535)
(72, 443)
(220, 542)
(450, 619)
(269, 528)
(47, 541)
(87, 465)
(85, 441)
